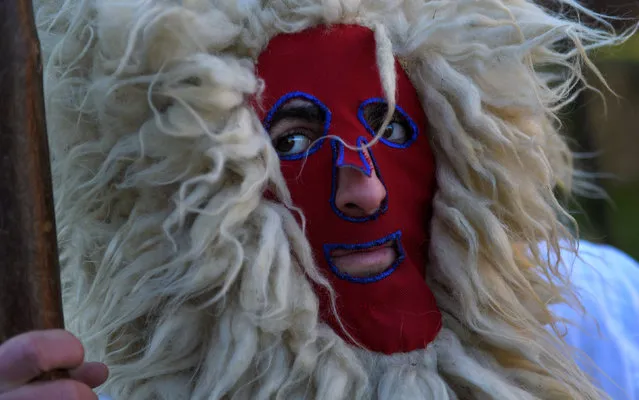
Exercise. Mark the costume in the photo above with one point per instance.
(199, 264)
(334, 67)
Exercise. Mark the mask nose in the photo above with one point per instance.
(360, 192)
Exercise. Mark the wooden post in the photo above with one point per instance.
(29, 270)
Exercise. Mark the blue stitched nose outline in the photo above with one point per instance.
(365, 167)
(362, 165)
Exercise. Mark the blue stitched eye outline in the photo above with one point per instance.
(295, 95)
(395, 237)
(411, 123)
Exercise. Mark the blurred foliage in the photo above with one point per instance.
(627, 52)
(624, 220)
(612, 138)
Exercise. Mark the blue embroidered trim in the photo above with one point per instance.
(366, 170)
(294, 95)
(396, 237)
(413, 126)
(337, 146)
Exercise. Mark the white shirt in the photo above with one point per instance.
(607, 281)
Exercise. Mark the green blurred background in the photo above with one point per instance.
(605, 127)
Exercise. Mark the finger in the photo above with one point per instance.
(25, 357)
(92, 374)
(58, 390)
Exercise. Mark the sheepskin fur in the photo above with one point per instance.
(189, 284)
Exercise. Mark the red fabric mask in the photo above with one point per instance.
(335, 68)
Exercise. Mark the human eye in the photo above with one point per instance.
(400, 132)
(293, 143)
(396, 132)
(296, 127)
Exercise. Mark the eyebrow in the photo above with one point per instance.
(375, 113)
(307, 112)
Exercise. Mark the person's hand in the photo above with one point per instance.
(25, 357)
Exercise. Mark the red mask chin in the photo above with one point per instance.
(391, 310)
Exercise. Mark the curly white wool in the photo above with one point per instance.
(189, 284)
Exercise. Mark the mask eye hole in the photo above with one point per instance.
(401, 132)
(295, 124)
(293, 143)
(396, 132)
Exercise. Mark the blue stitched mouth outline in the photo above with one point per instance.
(394, 237)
